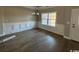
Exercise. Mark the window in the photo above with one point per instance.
(44, 18)
(49, 18)
(52, 19)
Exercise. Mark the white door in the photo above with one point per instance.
(74, 28)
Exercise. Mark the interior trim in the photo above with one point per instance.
(67, 37)
(6, 39)
(51, 32)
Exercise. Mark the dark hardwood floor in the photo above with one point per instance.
(36, 41)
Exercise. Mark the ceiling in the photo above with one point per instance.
(39, 7)
(30, 7)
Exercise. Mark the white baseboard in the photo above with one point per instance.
(8, 38)
(67, 37)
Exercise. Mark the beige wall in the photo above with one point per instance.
(63, 20)
(59, 28)
(17, 14)
(1, 22)
(16, 19)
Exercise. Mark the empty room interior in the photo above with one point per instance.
(39, 28)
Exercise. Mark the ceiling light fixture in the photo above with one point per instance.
(35, 13)
(37, 9)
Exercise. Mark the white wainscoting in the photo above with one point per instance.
(10, 28)
(59, 28)
(2, 35)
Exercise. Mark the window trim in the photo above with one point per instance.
(48, 18)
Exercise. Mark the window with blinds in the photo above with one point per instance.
(49, 19)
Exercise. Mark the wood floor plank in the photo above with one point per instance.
(35, 41)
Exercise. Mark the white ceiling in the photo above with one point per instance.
(40, 7)
(30, 7)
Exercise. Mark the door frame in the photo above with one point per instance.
(70, 35)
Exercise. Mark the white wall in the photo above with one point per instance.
(1, 27)
(10, 28)
(59, 28)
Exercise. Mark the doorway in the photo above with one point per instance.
(74, 27)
